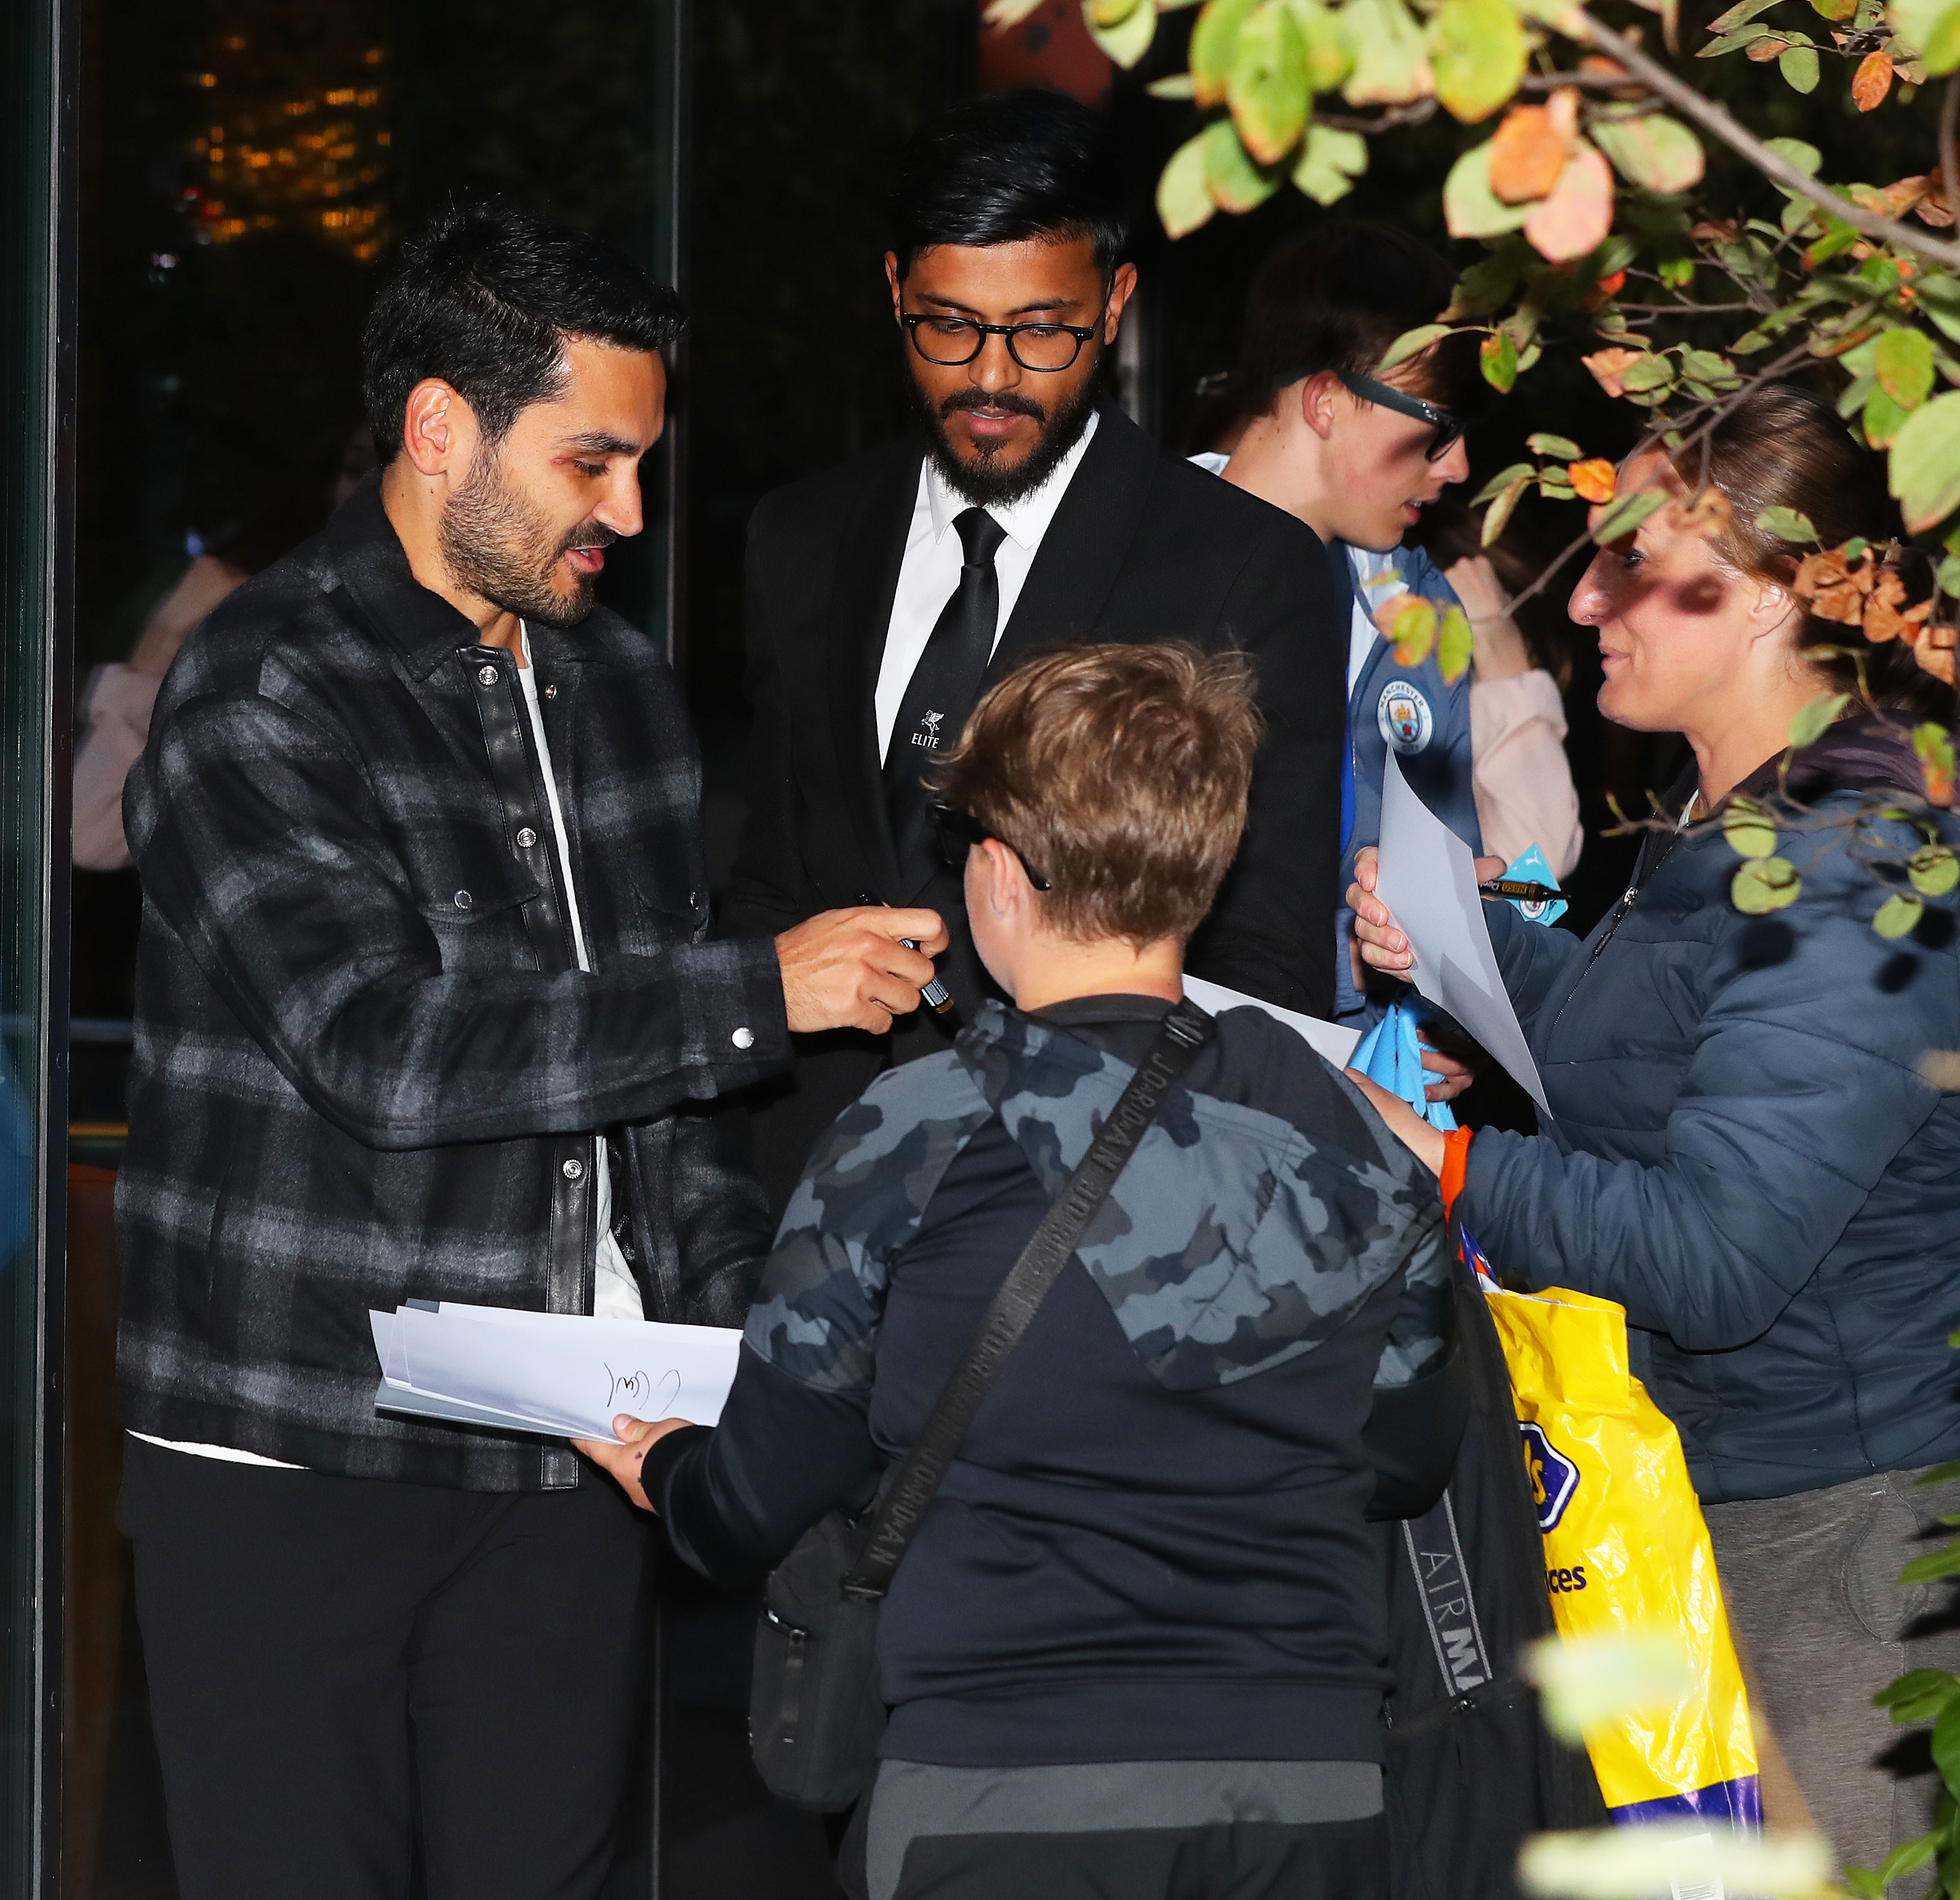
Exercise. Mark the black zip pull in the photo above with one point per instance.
(1620, 910)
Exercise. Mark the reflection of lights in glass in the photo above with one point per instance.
(165, 260)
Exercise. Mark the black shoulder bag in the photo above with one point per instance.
(815, 1711)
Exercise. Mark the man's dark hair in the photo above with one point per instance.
(1336, 298)
(1004, 167)
(486, 298)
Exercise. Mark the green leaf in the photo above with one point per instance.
(1453, 645)
(1497, 357)
(1806, 157)
(1748, 832)
(1744, 10)
(1898, 915)
(1129, 38)
(1235, 183)
(1650, 372)
(1904, 366)
(1946, 1730)
(1930, 27)
(1924, 467)
(1412, 343)
(1809, 723)
(1883, 419)
(1942, 1474)
(1864, 1883)
(1798, 65)
(1925, 1690)
(1497, 517)
(1329, 163)
(1470, 207)
(1732, 42)
(1267, 88)
(1836, 11)
(1391, 62)
(1329, 58)
(1478, 51)
(1934, 870)
(1184, 201)
(1213, 40)
(1624, 516)
(1788, 524)
(1905, 1857)
(1517, 472)
(1559, 447)
(1656, 151)
(1764, 885)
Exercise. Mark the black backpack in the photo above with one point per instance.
(1472, 1771)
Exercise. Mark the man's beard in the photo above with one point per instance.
(496, 542)
(984, 482)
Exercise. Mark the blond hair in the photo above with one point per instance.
(1119, 774)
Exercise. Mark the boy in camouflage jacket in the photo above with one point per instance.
(1138, 1645)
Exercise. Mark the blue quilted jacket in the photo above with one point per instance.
(1742, 1150)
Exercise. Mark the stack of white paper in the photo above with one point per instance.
(1332, 1040)
(1428, 880)
(557, 1374)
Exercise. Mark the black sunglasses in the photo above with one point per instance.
(957, 832)
(1448, 428)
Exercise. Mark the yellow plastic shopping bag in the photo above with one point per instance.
(1626, 1549)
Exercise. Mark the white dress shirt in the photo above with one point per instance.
(929, 575)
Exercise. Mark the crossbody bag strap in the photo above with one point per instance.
(903, 1508)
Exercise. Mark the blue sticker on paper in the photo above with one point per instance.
(1533, 866)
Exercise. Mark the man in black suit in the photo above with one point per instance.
(884, 596)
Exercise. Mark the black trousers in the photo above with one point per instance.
(338, 1665)
(1245, 1860)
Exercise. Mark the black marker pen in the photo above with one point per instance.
(935, 996)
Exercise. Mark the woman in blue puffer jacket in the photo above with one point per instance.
(1749, 1148)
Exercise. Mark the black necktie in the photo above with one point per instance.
(945, 682)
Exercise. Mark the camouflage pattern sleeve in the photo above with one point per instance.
(816, 1314)
(1425, 1317)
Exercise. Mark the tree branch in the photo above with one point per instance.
(1581, 26)
(1680, 309)
(1416, 114)
(1949, 164)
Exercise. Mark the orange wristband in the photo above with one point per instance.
(1455, 1165)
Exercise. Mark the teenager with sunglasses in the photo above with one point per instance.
(1357, 453)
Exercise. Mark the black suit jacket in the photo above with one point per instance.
(1143, 547)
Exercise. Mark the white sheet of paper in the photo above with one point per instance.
(558, 1373)
(1330, 1039)
(1428, 881)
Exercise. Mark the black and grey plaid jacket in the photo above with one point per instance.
(368, 1068)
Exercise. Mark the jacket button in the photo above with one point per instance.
(487, 675)
(463, 899)
(743, 1038)
(573, 1169)
(526, 837)
(551, 692)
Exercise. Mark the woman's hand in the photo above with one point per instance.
(1453, 1075)
(623, 1461)
(1382, 945)
(1409, 1128)
(1497, 647)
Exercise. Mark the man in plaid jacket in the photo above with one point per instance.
(426, 1011)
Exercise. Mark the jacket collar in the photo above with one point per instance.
(416, 622)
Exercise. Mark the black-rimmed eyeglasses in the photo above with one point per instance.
(1448, 428)
(957, 832)
(951, 341)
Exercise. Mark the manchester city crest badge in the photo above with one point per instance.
(1404, 716)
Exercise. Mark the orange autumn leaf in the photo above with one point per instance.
(1872, 81)
(1527, 154)
(1935, 654)
(1764, 50)
(1708, 515)
(1607, 288)
(1575, 217)
(1608, 365)
(1591, 481)
(1883, 619)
